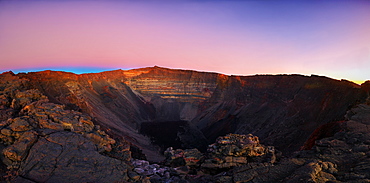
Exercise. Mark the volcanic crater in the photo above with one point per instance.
(151, 109)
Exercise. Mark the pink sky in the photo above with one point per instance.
(231, 37)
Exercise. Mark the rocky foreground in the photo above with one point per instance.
(43, 141)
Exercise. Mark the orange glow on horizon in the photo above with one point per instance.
(236, 37)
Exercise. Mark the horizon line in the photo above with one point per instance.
(91, 70)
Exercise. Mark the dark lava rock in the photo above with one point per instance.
(70, 157)
(179, 157)
(43, 142)
(233, 150)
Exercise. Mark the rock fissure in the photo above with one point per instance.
(55, 164)
(26, 178)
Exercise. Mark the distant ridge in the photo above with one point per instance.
(178, 69)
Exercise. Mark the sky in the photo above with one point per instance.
(234, 37)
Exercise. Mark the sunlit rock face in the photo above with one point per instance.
(283, 110)
(176, 94)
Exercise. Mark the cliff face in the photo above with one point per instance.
(176, 94)
(282, 110)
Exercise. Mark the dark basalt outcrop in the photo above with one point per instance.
(43, 142)
(63, 127)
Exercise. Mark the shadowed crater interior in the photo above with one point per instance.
(164, 133)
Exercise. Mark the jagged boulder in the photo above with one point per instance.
(23, 98)
(179, 157)
(234, 150)
(237, 145)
